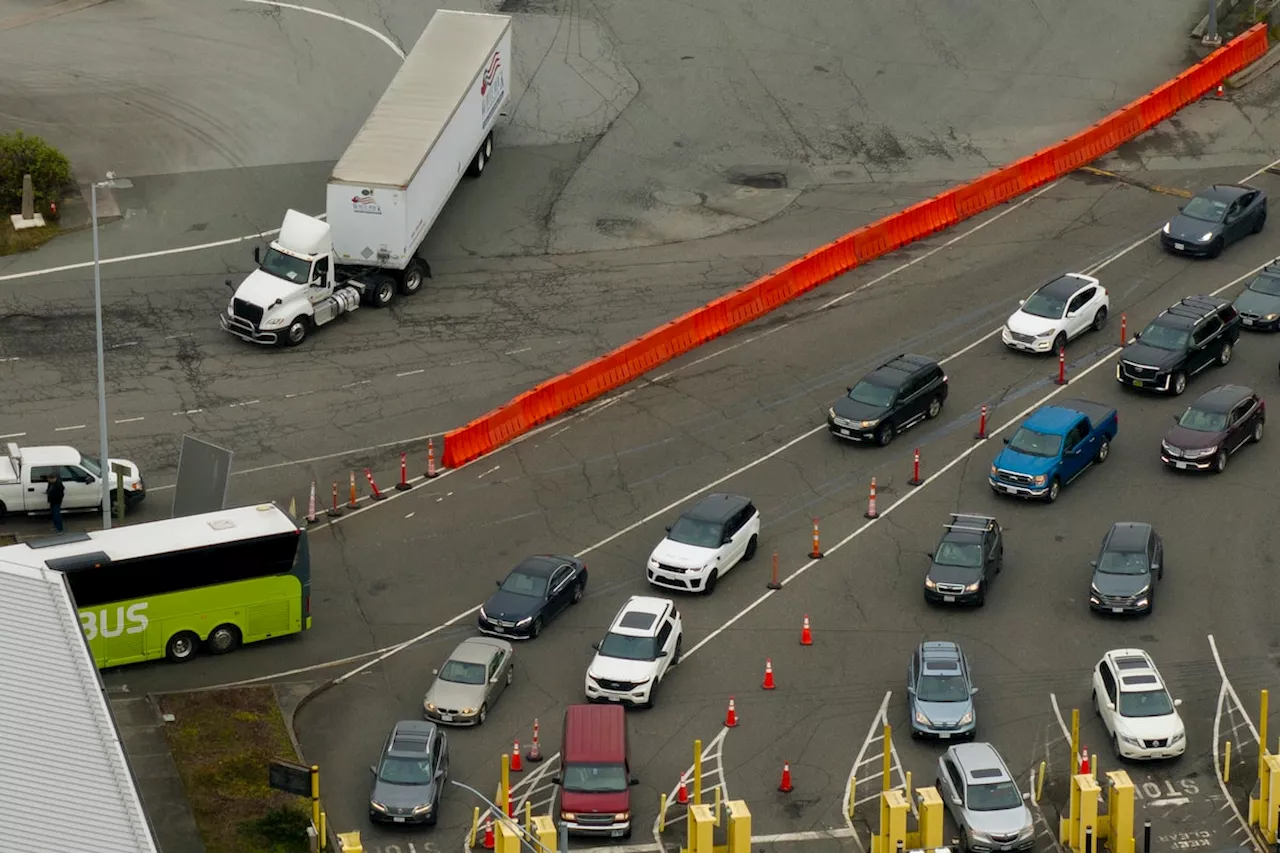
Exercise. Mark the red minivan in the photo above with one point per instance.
(595, 776)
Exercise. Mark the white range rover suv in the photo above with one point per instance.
(643, 643)
(708, 540)
(1136, 708)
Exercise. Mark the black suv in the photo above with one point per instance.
(894, 397)
(1127, 569)
(410, 774)
(1181, 342)
(970, 554)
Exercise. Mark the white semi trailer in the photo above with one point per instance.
(433, 125)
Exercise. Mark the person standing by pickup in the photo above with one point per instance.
(55, 491)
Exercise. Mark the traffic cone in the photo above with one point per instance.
(816, 553)
(432, 473)
(336, 510)
(768, 675)
(377, 494)
(785, 785)
(293, 508)
(1221, 92)
(516, 765)
(353, 501)
(682, 793)
(311, 504)
(488, 832)
(1084, 760)
(871, 501)
(535, 751)
(806, 636)
(404, 485)
(731, 718)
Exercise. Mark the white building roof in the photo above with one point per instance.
(433, 81)
(64, 781)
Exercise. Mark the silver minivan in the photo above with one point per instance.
(983, 799)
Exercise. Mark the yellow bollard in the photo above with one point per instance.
(853, 795)
(544, 829)
(1044, 768)
(929, 802)
(738, 833)
(894, 807)
(662, 813)
(697, 772)
(701, 829)
(907, 787)
(886, 765)
(324, 829)
(1262, 730)
(1226, 764)
(1075, 741)
(475, 827)
(528, 817)
(505, 802)
(1118, 821)
(349, 842)
(716, 807)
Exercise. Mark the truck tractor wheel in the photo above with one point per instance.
(382, 290)
(415, 275)
(297, 331)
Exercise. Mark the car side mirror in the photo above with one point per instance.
(556, 780)
(1005, 440)
(930, 555)
(973, 691)
(89, 478)
(955, 801)
(498, 584)
(635, 782)
(1093, 563)
(1026, 795)
(257, 254)
(1181, 207)
(848, 389)
(229, 285)
(662, 654)
(494, 680)
(435, 672)
(668, 528)
(911, 691)
(373, 770)
(1071, 315)
(1177, 703)
(1021, 302)
(596, 645)
(1137, 335)
(726, 539)
(1155, 567)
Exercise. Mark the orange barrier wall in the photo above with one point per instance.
(751, 302)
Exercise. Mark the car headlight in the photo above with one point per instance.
(1166, 228)
(1094, 590)
(1200, 454)
(273, 324)
(831, 413)
(993, 469)
(868, 424)
(1132, 741)
(1047, 333)
(569, 816)
(978, 835)
(1207, 237)
(1169, 448)
(1039, 479)
(967, 718)
(377, 806)
(922, 719)
(622, 816)
(1144, 590)
(929, 584)
(972, 587)
(1271, 317)
(525, 621)
(423, 809)
(1177, 738)
(467, 712)
(483, 615)
(430, 706)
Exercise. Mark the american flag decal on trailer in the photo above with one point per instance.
(490, 73)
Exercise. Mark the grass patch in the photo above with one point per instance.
(222, 742)
(12, 242)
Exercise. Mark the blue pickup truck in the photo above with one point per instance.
(1053, 447)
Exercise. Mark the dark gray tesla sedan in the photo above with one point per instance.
(1215, 218)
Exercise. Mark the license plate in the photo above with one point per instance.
(1137, 383)
(846, 432)
(498, 629)
(618, 833)
(1247, 321)
(446, 718)
(1179, 247)
(1180, 465)
(397, 820)
(1117, 610)
(948, 598)
(944, 735)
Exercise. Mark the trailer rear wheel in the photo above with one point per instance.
(476, 169)
(382, 290)
(415, 275)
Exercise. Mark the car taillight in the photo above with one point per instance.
(944, 377)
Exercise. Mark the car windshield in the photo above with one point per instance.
(285, 266)
(90, 464)
(695, 531)
(1202, 421)
(523, 584)
(462, 672)
(1034, 443)
(993, 797)
(405, 771)
(871, 394)
(942, 688)
(1146, 703)
(1205, 209)
(1123, 563)
(627, 647)
(1164, 337)
(595, 778)
(1044, 305)
(1268, 284)
(967, 555)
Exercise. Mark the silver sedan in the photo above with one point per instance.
(469, 682)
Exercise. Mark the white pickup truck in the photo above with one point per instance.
(23, 475)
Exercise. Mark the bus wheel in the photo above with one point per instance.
(182, 647)
(223, 639)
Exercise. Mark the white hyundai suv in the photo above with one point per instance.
(1057, 312)
(1138, 712)
(708, 540)
(642, 645)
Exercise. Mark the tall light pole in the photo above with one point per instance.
(105, 466)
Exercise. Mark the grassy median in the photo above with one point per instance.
(12, 242)
(222, 742)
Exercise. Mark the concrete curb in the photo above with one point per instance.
(1268, 61)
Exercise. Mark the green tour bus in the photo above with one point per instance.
(165, 588)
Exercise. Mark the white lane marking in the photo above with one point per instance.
(125, 344)
(245, 403)
(13, 435)
(188, 412)
(69, 428)
(359, 26)
(1062, 724)
(411, 373)
(713, 753)
(517, 351)
(186, 334)
(956, 239)
(12, 358)
(1222, 671)
(1170, 801)
(487, 473)
(779, 838)
(129, 420)
(1223, 691)
(875, 733)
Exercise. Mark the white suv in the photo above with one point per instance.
(707, 541)
(1140, 715)
(1057, 312)
(642, 645)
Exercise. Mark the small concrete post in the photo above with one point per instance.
(28, 198)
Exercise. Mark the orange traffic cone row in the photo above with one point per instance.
(1084, 760)
(806, 636)
(682, 794)
(516, 765)
(488, 832)
(768, 675)
(731, 718)
(785, 785)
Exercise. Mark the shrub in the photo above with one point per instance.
(30, 155)
(281, 830)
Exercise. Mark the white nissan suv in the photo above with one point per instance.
(642, 645)
(708, 540)
(1059, 311)
(1136, 708)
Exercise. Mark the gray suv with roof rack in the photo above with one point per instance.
(894, 397)
(1183, 340)
(970, 554)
